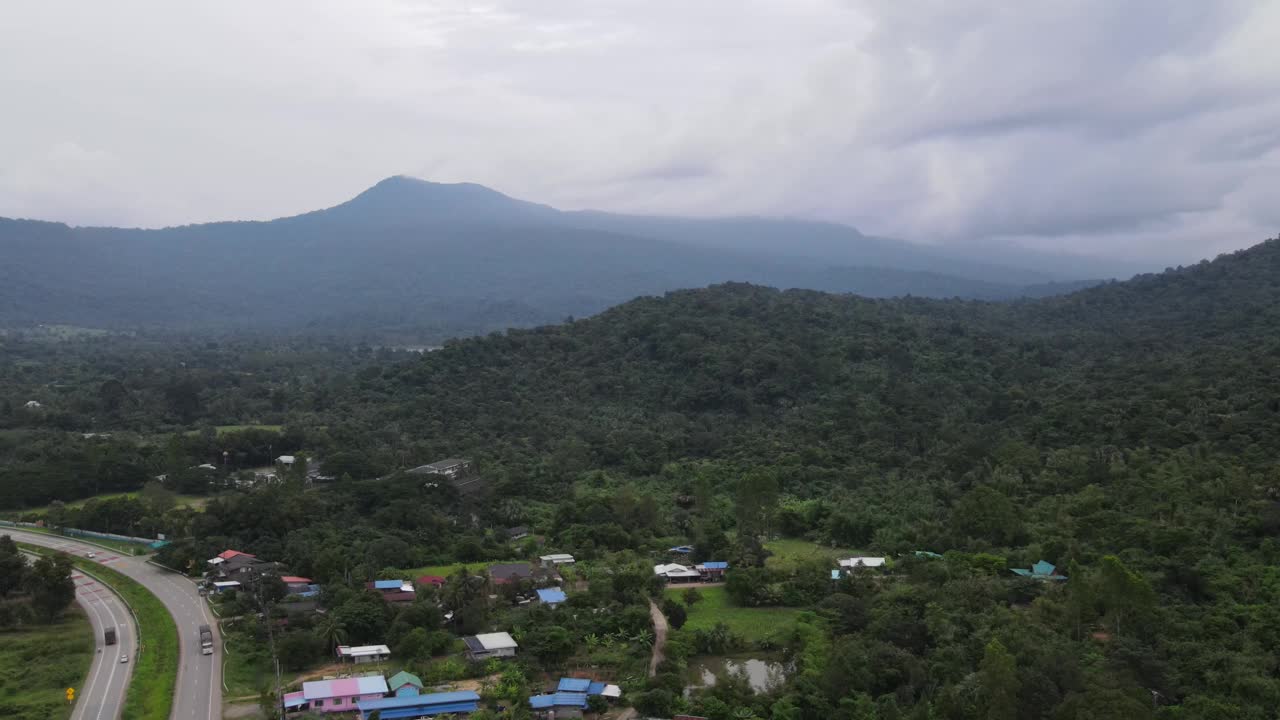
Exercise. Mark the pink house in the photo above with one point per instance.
(341, 695)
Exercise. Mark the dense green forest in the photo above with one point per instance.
(1126, 433)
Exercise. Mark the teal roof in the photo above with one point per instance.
(402, 678)
(1041, 571)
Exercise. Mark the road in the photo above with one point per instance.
(198, 695)
(101, 695)
(659, 638)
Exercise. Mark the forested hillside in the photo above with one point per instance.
(1126, 433)
(420, 262)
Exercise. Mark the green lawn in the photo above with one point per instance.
(750, 623)
(447, 570)
(155, 672)
(787, 553)
(38, 664)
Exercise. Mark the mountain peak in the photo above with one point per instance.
(401, 199)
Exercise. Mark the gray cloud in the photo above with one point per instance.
(1139, 130)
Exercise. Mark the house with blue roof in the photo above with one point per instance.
(713, 569)
(1042, 570)
(551, 597)
(416, 706)
(570, 696)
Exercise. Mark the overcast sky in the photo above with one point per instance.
(1134, 129)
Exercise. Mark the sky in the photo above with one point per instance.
(1139, 130)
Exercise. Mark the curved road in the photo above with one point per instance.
(198, 695)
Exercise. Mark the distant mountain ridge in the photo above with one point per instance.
(409, 257)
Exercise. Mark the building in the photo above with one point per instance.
(416, 706)
(551, 597)
(853, 563)
(361, 654)
(554, 559)
(405, 684)
(675, 573)
(236, 565)
(1042, 570)
(286, 460)
(296, 584)
(221, 586)
(432, 580)
(519, 532)
(394, 591)
(451, 468)
(33, 405)
(570, 697)
(680, 550)
(489, 645)
(341, 695)
(713, 570)
(503, 573)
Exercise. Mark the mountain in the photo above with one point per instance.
(427, 260)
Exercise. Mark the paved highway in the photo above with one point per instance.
(198, 695)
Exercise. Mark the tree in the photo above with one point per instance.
(675, 612)
(50, 585)
(998, 683)
(691, 596)
(13, 567)
(332, 630)
(550, 644)
(1125, 595)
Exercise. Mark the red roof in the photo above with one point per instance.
(295, 580)
(228, 554)
(399, 596)
(431, 580)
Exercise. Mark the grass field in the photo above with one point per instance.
(155, 671)
(246, 667)
(788, 552)
(224, 429)
(447, 570)
(194, 501)
(38, 664)
(752, 624)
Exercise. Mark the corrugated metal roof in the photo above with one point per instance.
(387, 584)
(294, 699)
(559, 699)
(496, 641)
(428, 700)
(344, 687)
(404, 677)
(596, 688)
(716, 565)
(552, 595)
(573, 684)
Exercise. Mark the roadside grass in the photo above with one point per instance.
(786, 553)
(39, 663)
(752, 624)
(193, 501)
(246, 668)
(155, 670)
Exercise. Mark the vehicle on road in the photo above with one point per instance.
(124, 658)
(109, 636)
(206, 640)
(91, 554)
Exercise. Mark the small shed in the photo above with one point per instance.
(551, 597)
(405, 684)
(489, 645)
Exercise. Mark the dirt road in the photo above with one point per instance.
(659, 637)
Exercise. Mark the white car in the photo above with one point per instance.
(124, 658)
(91, 555)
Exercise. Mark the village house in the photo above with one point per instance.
(1041, 571)
(297, 585)
(570, 697)
(458, 471)
(404, 684)
(853, 563)
(341, 695)
(499, 644)
(394, 591)
(551, 597)
(554, 559)
(361, 654)
(676, 573)
(503, 573)
(713, 570)
(519, 532)
(415, 706)
(236, 565)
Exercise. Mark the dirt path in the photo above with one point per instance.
(659, 637)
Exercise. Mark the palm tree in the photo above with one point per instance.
(332, 630)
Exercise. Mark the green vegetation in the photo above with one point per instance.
(787, 553)
(752, 624)
(450, 569)
(39, 662)
(155, 670)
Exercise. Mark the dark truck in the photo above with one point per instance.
(109, 635)
(206, 640)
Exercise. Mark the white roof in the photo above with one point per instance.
(611, 691)
(675, 570)
(286, 459)
(557, 558)
(363, 650)
(862, 562)
(496, 641)
(227, 584)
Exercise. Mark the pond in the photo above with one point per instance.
(764, 671)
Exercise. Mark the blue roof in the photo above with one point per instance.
(559, 699)
(835, 574)
(387, 584)
(596, 688)
(684, 549)
(430, 700)
(551, 595)
(542, 702)
(417, 712)
(716, 565)
(577, 685)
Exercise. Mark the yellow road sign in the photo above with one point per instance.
(71, 694)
